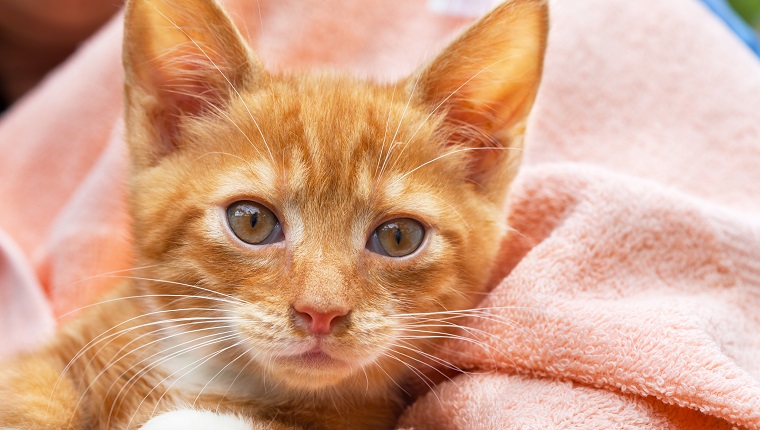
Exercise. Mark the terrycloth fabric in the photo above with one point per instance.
(634, 273)
(627, 287)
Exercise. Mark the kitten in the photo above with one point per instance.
(301, 237)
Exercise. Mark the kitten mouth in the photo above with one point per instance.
(311, 370)
(317, 357)
(314, 358)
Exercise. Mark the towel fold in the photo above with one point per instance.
(628, 287)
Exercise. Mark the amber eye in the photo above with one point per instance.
(397, 238)
(253, 223)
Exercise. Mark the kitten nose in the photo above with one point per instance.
(319, 322)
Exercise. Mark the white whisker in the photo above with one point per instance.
(202, 361)
(220, 372)
(143, 296)
(121, 332)
(119, 356)
(398, 128)
(456, 151)
(144, 370)
(163, 281)
(385, 135)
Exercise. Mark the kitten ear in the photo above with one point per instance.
(181, 59)
(485, 82)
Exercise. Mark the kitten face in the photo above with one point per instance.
(326, 184)
(326, 160)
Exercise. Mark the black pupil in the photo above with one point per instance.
(254, 219)
(398, 236)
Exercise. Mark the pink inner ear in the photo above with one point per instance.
(472, 126)
(477, 128)
(188, 82)
(168, 114)
(184, 89)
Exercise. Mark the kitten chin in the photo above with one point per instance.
(312, 370)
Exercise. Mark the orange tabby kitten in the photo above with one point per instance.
(301, 237)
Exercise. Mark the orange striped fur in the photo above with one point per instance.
(208, 321)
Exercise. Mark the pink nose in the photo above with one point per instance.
(319, 322)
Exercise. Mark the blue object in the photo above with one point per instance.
(735, 22)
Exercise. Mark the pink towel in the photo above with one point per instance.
(645, 298)
(633, 277)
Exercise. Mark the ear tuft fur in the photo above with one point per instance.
(486, 81)
(181, 59)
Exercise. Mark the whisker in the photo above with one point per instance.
(144, 370)
(221, 112)
(220, 372)
(203, 361)
(476, 313)
(385, 135)
(448, 365)
(424, 378)
(89, 278)
(431, 334)
(366, 378)
(403, 114)
(163, 281)
(240, 372)
(468, 330)
(142, 296)
(421, 362)
(464, 311)
(118, 356)
(379, 367)
(207, 153)
(456, 151)
(97, 340)
(100, 337)
(481, 316)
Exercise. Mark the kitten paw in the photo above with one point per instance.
(190, 419)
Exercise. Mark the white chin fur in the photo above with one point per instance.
(189, 419)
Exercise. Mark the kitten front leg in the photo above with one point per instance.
(191, 419)
(75, 382)
(33, 398)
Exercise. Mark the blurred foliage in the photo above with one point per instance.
(749, 10)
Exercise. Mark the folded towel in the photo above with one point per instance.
(636, 293)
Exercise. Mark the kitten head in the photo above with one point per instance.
(327, 223)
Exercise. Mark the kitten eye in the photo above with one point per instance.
(397, 238)
(253, 223)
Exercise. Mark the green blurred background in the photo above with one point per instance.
(749, 10)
